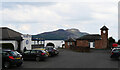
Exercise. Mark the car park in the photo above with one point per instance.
(34, 55)
(115, 53)
(10, 58)
(52, 51)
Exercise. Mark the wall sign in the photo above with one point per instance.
(27, 42)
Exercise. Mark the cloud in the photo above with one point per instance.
(25, 27)
(38, 17)
(31, 13)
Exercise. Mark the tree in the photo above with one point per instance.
(118, 42)
(111, 40)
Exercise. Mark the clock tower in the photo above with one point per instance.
(104, 36)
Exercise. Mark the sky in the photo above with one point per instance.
(38, 17)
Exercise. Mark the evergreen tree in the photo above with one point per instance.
(111, 40)
(119, 42)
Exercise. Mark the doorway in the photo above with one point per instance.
(92, 44)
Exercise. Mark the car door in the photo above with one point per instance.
(33, 54)
(5, 56)
(26, 54)
(119, 52)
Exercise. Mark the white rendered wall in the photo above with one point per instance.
(57, 43)
(27, 42)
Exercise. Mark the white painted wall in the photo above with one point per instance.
(15, 44)
(27, 42)
(57, 43)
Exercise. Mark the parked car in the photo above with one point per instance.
(34, 55)
(43, 50)
(52, 51)
(115, 53)
(10, 57)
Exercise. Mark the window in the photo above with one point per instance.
(27, 52)
(39, 52)
(33, 51)
(13, 53)
(5, 54)
(92, 44)
(68, 43)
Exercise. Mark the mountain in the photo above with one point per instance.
(76, 32)
(60, 34)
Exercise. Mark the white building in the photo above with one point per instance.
(10, 39)
(26, 42)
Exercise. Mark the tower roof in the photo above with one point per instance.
(104, 28)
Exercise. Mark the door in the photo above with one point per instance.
(26, 55)
(92, 45)
(33, 54)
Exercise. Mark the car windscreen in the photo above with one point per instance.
(54, 48)
(48, 48)
(17, 52)
(43, 51)
(13, 53)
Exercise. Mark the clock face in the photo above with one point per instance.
(104, 31)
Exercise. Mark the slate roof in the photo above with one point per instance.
(38, 39)
(70, 40)
(90, 37)
(104, 28)
(9, 34)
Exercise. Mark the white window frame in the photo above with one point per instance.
(68, 43)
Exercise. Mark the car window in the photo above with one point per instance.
(5, 54)
(27, 52)
(39, 52)
(43, 51)
(48, 48)
(17, 52)
(33, 51)
(116, 50)
(0, 51)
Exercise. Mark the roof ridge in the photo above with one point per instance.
(14, 30)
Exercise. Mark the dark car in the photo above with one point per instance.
(34, 55)
(52, 51)
(115, 53)
(10, 58)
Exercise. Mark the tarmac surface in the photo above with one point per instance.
(72, 59)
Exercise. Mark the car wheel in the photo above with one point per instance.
(37, 58)
(117, 58)
(7, 65)
(50, 55)
(18, 65)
